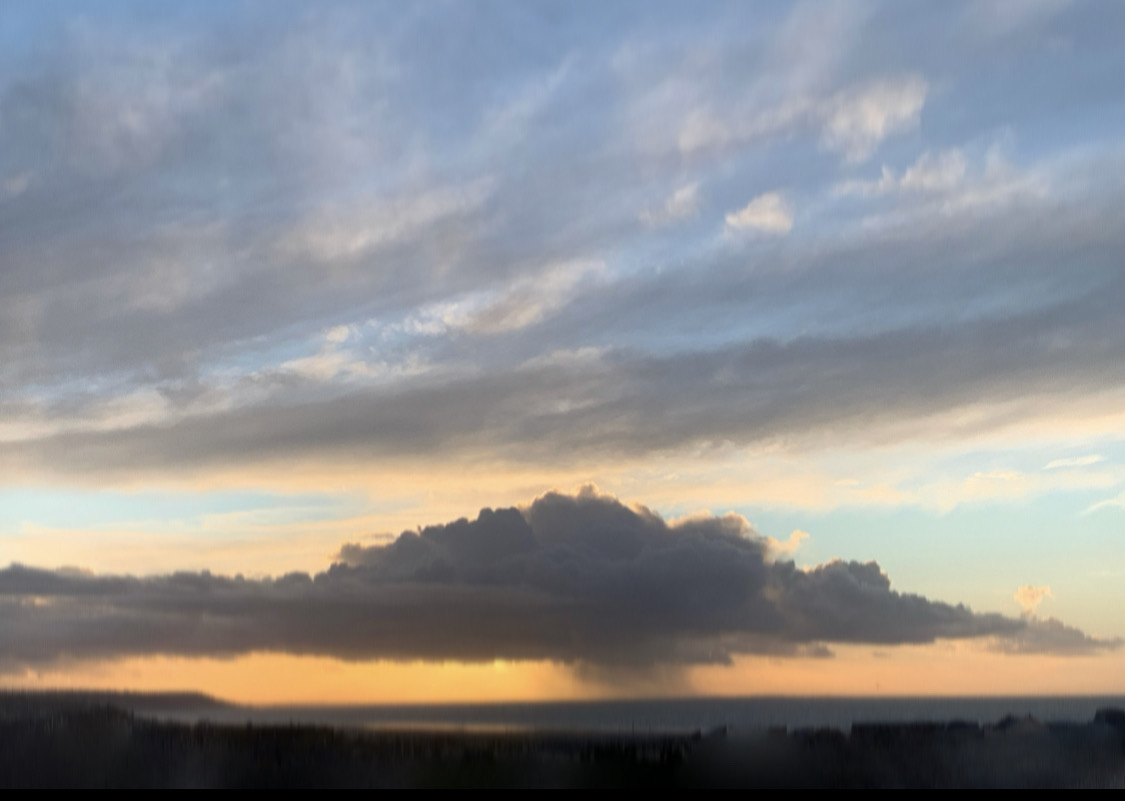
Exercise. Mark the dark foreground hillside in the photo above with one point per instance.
(79, 741)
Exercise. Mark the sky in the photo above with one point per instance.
(512, 351)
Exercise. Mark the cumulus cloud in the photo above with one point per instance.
(581, 579)
(768, 214)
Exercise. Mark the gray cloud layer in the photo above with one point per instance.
(631, 403)
(187, 205)
(577, 579)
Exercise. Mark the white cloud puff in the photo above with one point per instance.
(1029, 597)
(768, 214)
(858, 120)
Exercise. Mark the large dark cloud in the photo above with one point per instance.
(577, 579)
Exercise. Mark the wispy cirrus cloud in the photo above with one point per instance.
(852, 122)
(1074, 461)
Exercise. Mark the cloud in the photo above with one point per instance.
(703, 130)
(1048, 635)
(1052, 636)
(683, 204)
(133, 100)
(357, 229)
(1074, 461)
(521, 303)
(768, 214)
(853, 121)
(941, 187)
(352, 186)
(890, 384)
(509, 122)
(1029, 597)
(932, 172)
(1109, 503)
(935, 172)
(857, 120)
(580, 579)
(787, 547)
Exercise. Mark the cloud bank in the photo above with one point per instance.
(578, 579)
(185, 208)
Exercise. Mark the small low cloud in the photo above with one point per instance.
(856, 121)
(1029, 597)
(1049, 635)
(767, 214)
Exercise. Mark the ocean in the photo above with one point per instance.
(736, 715)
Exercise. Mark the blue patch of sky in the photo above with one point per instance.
(269, 351)
(976, 554)
(88, 385)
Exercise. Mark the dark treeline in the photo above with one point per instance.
(90, 741)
